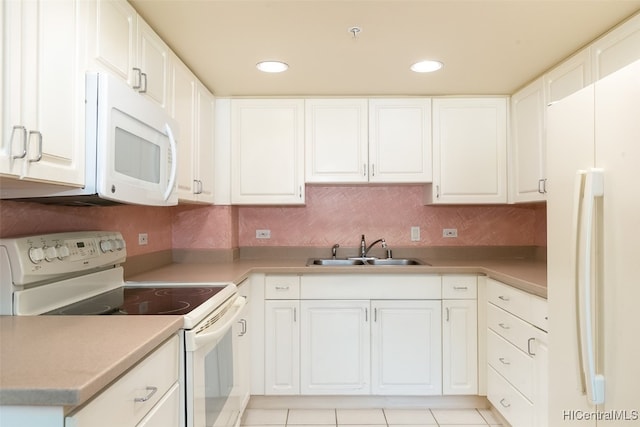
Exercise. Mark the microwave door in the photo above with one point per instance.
(139, 164)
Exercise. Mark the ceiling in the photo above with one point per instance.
(487, 46)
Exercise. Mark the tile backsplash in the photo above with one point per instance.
(332, 214)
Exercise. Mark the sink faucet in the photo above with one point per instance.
(334, 250)
(364, 249)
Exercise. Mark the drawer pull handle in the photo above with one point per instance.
(152, 390)
(503, 298)
(243, 326)
(504, 361)
(529, 341)
(503, 326)
(460, 288)
(505, 403)
(282, 288)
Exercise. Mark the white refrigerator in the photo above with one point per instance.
(593, 220)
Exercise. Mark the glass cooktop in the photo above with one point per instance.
(143, 300)
(179, 300)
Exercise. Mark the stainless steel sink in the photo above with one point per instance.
(395, 261)
(333, 261)
(363, 261)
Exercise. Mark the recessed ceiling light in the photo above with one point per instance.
(272, 66)
(426, 66)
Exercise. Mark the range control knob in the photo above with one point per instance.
(63, 251)
(50, 253)
(119, 244)
(36, 255)
(106, 246)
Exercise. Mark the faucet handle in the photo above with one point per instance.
(334, 250)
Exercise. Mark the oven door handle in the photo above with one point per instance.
(221, 327)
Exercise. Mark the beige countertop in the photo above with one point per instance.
(529, 276)
(64, 360)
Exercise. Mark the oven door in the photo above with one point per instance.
(211, 388)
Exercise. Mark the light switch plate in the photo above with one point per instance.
(415, 234)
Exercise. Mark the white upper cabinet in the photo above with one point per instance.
(568, 77)
(43, 70)
(376, 140)
(469, 151)
(619, 47)
(153, 64)
(122, 43)
(336, 140)
(193, 107)
(267, 151)
(527, 144)
(400, 140)
(113, 35)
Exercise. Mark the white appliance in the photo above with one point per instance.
(593, 210)
(79, 273)
(130, 151)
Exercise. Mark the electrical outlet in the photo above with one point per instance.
(143, 239)
(263, 234)
(415, 234)
(449, 232)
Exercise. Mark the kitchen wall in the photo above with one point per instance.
(341, 214)
(337, 214)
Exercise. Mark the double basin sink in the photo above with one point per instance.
(335, 262)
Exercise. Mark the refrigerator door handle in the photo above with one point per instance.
(593, 188)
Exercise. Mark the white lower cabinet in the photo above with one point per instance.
(406, 353)
(147, 395)
(334, 347)
(370, 334)
(517, 355)
(282, 347)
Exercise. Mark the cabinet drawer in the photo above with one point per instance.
(371, 286)
(513, 406)
(511, 363)
(508, 298)
(513, 329)
(539, 313)
(282, 287)
(117, 406)
(459, 286)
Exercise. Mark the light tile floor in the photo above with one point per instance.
(369, 417)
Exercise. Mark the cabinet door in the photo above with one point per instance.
(469, 150)
(282, 346)
(527, 143)
(205, 103)
(183, 111)
(406, 348)
(568, 77)
(113, 35)
(44, 131)
(400, 140)
(616, 49)
(267, 151)
(153, 61)
(335, 346)
(336, 144)
(459, 347)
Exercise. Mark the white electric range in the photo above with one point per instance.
(80, 273)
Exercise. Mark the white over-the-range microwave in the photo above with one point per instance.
(131, 151)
